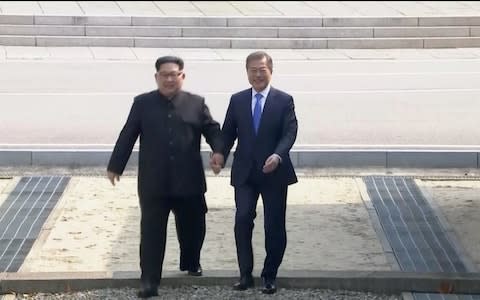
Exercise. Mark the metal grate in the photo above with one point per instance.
(23, 214)
(417, 238)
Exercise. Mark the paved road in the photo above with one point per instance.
(349, 102)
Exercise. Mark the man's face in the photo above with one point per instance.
(259, 75)
(169, 79)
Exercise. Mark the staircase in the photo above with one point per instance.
(241, 32)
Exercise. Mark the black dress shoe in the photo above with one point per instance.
(244, 283)
(197, 272)
(147, 289)
(269, 286)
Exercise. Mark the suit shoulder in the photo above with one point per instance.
(282, 94)
(242, 94)
(145, 96)
(192, 96)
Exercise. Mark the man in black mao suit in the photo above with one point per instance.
(263, 120)
(170, 123)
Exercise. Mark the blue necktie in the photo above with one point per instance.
(257, 112)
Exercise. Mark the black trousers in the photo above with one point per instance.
(274, 198)
(189, 215)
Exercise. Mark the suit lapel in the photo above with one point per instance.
(248, 111)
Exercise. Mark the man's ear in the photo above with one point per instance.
(183, 75)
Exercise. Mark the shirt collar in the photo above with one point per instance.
(264, 92)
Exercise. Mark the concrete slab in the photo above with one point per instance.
(105, 53)
(71, 53)
(457, 53)
(322, 54)
(139, 8)
(178, 8)
(151, 54)
(196, 54)
(215, 8)
(373, 8)
(64, 8)
(101, 8)
(234, 54)
(294, 8)
(367, 53)
(412, 8)
(255, 8)
(20, 8)
(26, 52)
(333, 8)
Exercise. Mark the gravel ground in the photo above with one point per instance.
(212, 293)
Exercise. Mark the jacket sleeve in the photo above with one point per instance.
(229, 130)
(289, 130)
(126, 140)
(211, 130)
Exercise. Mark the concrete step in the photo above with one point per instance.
(255, 32)
(358, 21)
(241, 32)
(239, 43)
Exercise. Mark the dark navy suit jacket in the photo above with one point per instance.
(276, 134)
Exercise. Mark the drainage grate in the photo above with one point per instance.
(418, 240)
(23, 214)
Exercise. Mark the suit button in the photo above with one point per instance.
(171, 157)
(170, 143)
(169, 116)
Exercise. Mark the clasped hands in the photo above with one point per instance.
(217, 162)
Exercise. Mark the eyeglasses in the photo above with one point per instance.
(174, 75)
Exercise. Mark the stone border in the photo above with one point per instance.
(329, 158)
(366, 281)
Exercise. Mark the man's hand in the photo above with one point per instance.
(112, 176)
(271, 163)
(216, 162)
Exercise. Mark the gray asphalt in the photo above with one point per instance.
(364, 102)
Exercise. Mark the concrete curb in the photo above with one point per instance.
(318, 158)
(372, 281)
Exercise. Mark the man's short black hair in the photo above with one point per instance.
(169, 59)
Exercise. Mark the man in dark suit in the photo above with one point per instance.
(171, 177)
(263, 120)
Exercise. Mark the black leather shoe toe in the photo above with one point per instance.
(198, 272)
(243, 284)
(269, 287)
(147, 290)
